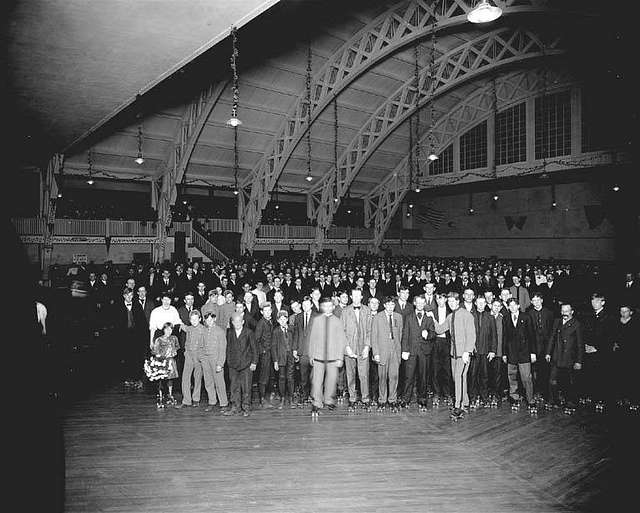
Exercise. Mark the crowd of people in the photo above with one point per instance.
(377, 333)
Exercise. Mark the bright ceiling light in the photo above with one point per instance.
(139, 160)
(417, 189)
(484, 12)
(90, 181)
(309, 178)
(616, 188)
(432, 157)
(234, 122)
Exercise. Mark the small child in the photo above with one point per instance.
(162, 365)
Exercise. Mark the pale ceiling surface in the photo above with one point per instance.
(74, 62)
(131, 44)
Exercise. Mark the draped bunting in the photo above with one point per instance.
(509, 222)
(595, 215)
(519, 223)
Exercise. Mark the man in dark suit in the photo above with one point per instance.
(251, 306)
(146, 305)
(565, 351)
(441, 377)
(418, 335)
(429, 297)
(242, 359)
(131, 344)
(542, 320)
(402, 305)
(411, 281)
(301, 327)
(277, 286)
(297, 291)
(372, 290)
(166, 285)
(486, 347)
(200, 295)
(388, 285)
(599, 332)
(628, 294)
(263, 334)
(519, 350)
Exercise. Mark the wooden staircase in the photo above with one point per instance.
(199, 241)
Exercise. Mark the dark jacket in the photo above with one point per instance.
(542, 322)
(599, 331)
(412, 340)
(281, 345)
(486, 334)
(241, 351)
(300, 334)
(518, 343)
(565, 344)
(263, 334)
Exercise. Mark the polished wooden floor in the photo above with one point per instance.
(123, 455)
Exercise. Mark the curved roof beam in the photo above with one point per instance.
(490, 51)
(511, 89)
(187, 134)
(396, 28)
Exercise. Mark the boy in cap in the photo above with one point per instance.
(282, 356)
(263, 334)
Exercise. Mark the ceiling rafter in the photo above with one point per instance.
(396, 28)
(458, 65)
(382, 202)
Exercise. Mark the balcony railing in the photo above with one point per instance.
(107, 227)
(96, 227)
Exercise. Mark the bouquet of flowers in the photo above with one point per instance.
(156, 368)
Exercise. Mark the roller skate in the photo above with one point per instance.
(533, 409)
(381, 408)
(352, 407)
(315, 412)
(159, 402)
(457, 414)
(422, 407)
(171, 401)
(599, 407)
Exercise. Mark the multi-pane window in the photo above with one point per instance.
(553, 125)
(444, 164)
(473, 147)
(511, 135)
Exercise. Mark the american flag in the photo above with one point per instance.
(433, 216)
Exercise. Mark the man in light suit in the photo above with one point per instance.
(327, 344)
(356, 321)
(520, 294)
(386, 341)
(461, 327)
(417, 346)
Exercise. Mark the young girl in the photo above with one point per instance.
(162, 365)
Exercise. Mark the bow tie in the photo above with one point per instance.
(357, 307)
(128, 304)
